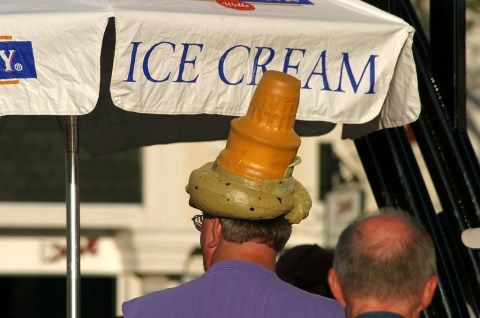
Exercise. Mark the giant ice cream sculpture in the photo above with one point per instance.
(252, 177)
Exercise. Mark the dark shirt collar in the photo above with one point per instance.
(379, 314)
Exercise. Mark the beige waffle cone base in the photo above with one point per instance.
(220, 193)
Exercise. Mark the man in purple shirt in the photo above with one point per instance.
(239, 282)
(249, 201)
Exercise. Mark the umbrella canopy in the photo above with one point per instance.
(205, 57)
(50, 56)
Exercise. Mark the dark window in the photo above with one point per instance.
(32, 165)
(46, 297)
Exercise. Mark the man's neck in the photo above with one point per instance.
(253, 252)
(401, 308)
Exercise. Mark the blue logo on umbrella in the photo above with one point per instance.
(16, 61)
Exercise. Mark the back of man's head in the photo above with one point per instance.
(273, 233)
(385, 257)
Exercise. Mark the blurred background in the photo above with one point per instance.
(136, 232)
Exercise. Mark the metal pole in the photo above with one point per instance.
(73, 220)
(447, 57)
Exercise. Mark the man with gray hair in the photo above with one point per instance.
(384, 267)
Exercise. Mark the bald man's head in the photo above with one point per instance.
(385, 256)
(384, 236)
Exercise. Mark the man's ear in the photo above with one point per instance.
(429, 291)
(216, 233)
(336, 288)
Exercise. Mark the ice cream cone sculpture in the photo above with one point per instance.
(252, 177)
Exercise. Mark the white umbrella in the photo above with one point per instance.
(203, 57)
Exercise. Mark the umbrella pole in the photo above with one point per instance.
(73, 220)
